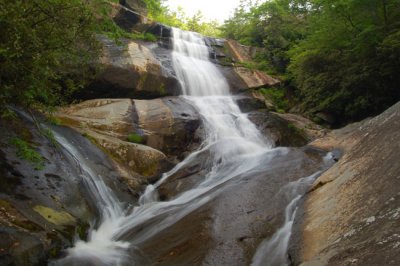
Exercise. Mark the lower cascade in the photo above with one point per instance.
(233, 153)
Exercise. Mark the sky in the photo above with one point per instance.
(219, 10)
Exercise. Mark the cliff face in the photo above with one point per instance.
(352, 214)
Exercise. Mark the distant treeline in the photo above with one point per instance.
(341, 57)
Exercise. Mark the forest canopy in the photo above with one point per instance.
(339, 56)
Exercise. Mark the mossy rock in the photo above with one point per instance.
(55, 217)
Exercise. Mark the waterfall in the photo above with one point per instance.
(234, 146)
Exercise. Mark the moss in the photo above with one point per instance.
(150, 169)
(135, 138)
(55, 217)
(82, 230)
(162, 89)
(54, 120)
(25, 151)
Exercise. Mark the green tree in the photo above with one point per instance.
(45, 48)
(347, 64)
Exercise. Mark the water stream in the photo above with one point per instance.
(233, 145)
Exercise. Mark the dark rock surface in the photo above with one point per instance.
(282, 132)
(43, 208)
(239, 215)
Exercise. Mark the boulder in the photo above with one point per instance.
(351, 214)
(168, 124)
(108, 123)
(130, 70)
(273, 127)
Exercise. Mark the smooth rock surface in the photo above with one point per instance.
(352, 214)
(130, 70)
(108, 123)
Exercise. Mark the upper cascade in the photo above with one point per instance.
(196, 74)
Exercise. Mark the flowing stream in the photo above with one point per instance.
(232, 143)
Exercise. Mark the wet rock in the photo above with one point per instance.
(250, 101)
(237, 216)
(281, 131)
(236, 84)
(42, 208)
(20, 248)
(130, 70)
(160, 30)
(352, 213)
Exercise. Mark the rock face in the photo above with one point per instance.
(168, 124)
(108, 123)
(228, 229)
(165, 126)
(251, 78)
(130, 71)
(352, 214)
(43, 207)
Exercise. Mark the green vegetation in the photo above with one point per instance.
(108, 27)
(336, 56)
(45, 50)
(135, 138)
(277, 95)
(26, 152)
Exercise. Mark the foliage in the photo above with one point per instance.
(26, 152)
(342, 56)
(277, 95)
(45, 50)
(109, 28)
(135, 138)
(179, 19)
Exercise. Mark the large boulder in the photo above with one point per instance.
(108, 123)
(168, 124)
(352, 214)
(130, 70)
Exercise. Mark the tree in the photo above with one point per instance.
(45, 50)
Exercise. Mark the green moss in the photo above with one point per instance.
(55, 217)
(135, 138)
(26, 152)
(54, 120)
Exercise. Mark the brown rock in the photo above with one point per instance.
(107, 123)
(352, 215)
(169, 124)
(254, 78)
(130, 70)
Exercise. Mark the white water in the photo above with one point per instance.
(273, 251)
(233, 144)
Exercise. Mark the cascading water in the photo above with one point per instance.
(231, 141)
